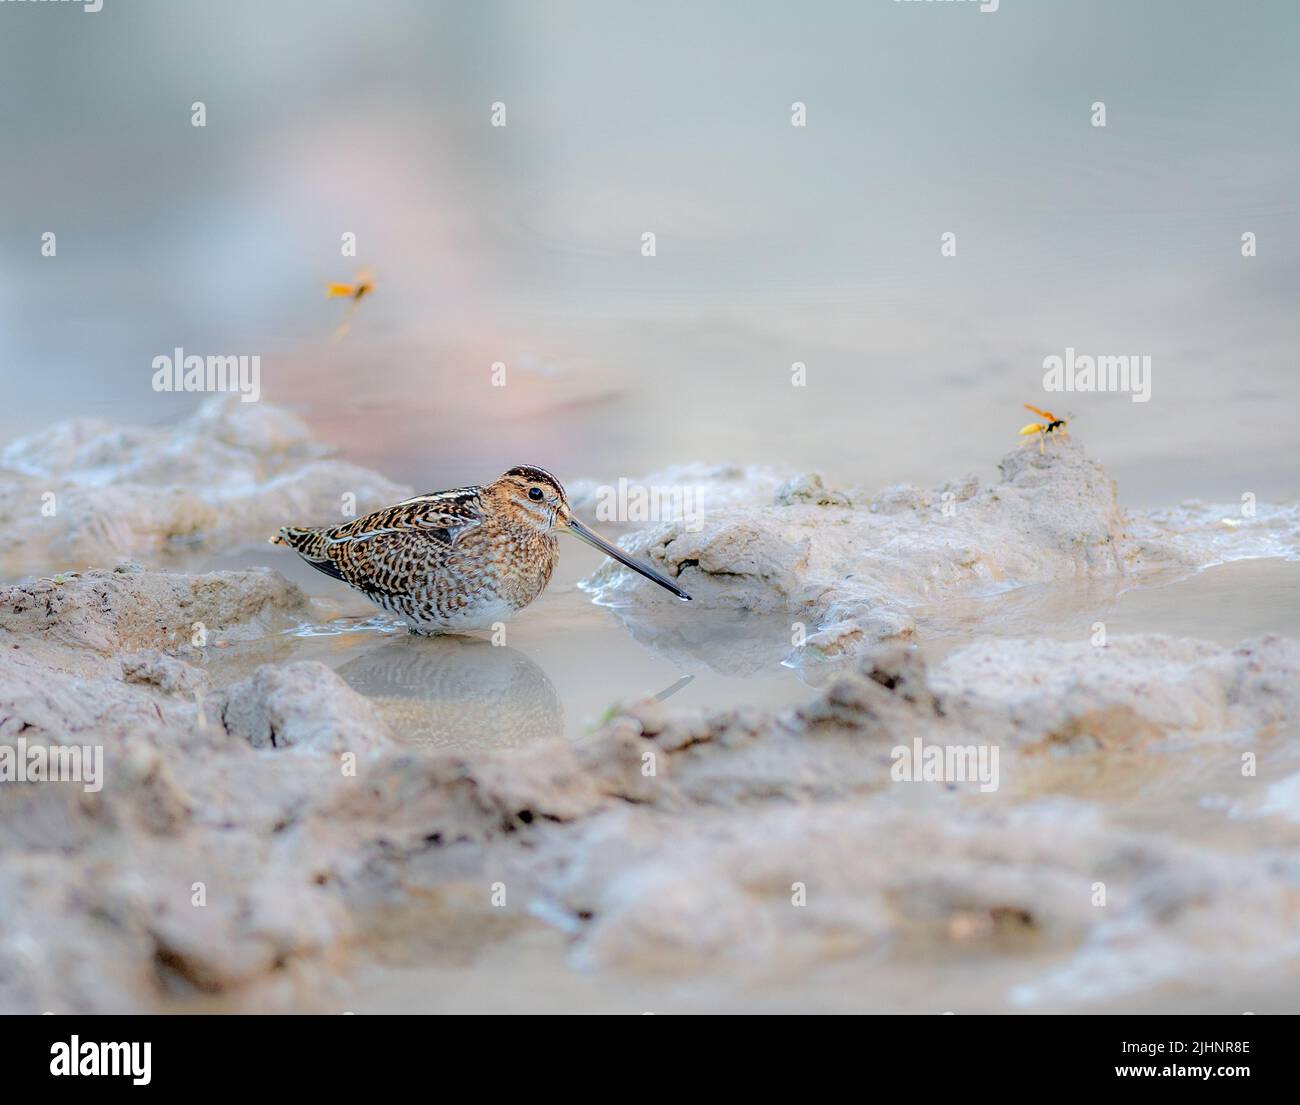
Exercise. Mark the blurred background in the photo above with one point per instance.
(775, 244)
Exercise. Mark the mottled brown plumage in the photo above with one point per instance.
(455, 560)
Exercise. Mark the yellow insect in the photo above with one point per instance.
(356, 293)
(1053, 425)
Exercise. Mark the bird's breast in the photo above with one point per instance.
(513, 566)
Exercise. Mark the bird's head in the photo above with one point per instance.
(530, 496)
(534, 498)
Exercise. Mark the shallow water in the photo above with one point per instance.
(1224, 603)
(565, 661)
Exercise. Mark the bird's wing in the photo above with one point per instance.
(383, 552)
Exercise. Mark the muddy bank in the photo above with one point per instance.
(1102, 819)
(248, 837)
(854, 567)
(86, 492)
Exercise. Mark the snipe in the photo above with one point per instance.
(460, 559)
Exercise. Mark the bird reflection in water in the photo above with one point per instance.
(458, 692)
(463, 692)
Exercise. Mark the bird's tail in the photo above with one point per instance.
(306, 541)
(312, 544)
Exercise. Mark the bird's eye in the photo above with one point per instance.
(535, 493)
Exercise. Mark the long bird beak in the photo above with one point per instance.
(579, 530)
